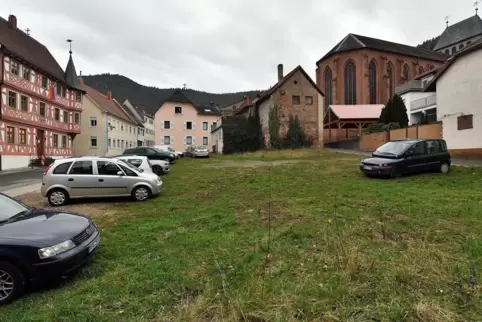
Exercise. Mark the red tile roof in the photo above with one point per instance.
(26, 48)
(111, 106)
(358, 112)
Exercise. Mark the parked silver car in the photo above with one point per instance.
(200, 151)
(95, 177)
(159, 167)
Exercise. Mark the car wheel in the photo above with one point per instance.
(444, 167)
(57, 197)
(12, 283)
(395, 173)
(157, 169)
(141, 193)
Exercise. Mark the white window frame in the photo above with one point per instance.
(96, 141)
(164, 141)
(93, 118)
(192, 140)
(207, 140)
(178, 113)
(207, 126)
(193, 126)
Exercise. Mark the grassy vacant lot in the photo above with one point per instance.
(342, 248)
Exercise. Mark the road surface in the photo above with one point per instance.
(15, 180)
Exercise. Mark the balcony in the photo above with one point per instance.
(410, 85)
(423, 102)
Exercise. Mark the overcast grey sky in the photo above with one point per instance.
(219, 45)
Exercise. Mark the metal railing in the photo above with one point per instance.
(423, 102)
(413, 84)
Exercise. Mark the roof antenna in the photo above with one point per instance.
(476, 5)
(70, 44)
(447, 21)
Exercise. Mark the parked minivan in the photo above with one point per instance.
(399, 157)
(95, 177)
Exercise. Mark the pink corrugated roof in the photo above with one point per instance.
(363, 111)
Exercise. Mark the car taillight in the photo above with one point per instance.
(48, 167)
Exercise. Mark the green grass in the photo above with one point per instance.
(342, 247)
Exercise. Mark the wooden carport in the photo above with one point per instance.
(347, 117)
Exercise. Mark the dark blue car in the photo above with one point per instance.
(39, 245)
(396, 158)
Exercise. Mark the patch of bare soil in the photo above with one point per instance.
(91, 207)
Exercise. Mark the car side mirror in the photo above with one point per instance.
(120, 173)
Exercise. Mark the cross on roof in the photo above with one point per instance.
(447, 20)
(70, 43)
(476, 5)
(27, 31)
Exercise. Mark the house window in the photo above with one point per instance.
(372, 82)
(188, 125)
(328, 87)
(390, 79)
(167, 139)
(93, 121)
(406, 72)
(188, 140)
(93, 141)
(64, 141)
(26, 73)
(296, 100)
(177, 109)
(59, 89)
(308, 100)
(205, 140)
(447, 52)
(12, 100)
(78, 96)
(22, 136)
(24, 103)
(465, 122)
(57, 114)
(66, 117)
(350, 83)
(42, 109)
(64, 92)
(454, 50)
(77, 118)
(167, 125)
(205, 126)
(214, 125)
(43, 82)
(55, 140)
(15, 68)
(122, 126)
(110, 143)
(10, 135)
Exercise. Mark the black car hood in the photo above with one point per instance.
(45, 226)
(380, 160)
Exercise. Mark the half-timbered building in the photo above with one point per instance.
(41, 105)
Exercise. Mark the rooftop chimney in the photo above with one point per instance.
(81, 80)
(109, 95)
(280, 72)
(12, 21)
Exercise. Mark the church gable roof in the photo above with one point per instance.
(353, 42)
(460, 31)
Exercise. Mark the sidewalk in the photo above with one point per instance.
(18, 191)
(24, 169)
(455, 161)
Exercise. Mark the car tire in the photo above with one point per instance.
(395, 173)
(10, 277)
(57, 197)
(157, 169)
(141, 193)
(444, 167)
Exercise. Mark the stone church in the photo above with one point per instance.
(365, 70)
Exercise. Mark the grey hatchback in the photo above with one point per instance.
(95, 177)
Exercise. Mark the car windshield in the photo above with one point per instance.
(10, 208)
(201, 147)
(128, 165)
(394, 148)
(171, 149)
(126, 161)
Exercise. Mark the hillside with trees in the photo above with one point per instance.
(150, 97)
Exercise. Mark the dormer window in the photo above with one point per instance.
(26, 73)
(44, 82)
(15, 69)
(178, 110)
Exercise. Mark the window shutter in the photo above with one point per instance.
(162, 140)
(184, 125)
(162, 124)
(193, 140)
(193, 125)
(184, 140)
(171, 139)
(172, 125)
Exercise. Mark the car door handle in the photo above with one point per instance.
(101, 180)
(70, 179)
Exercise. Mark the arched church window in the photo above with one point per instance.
(406, 72)
(461, 46)
(372, 81)
(328, 87)
(350, 83)
(454, 50)
(447, 52)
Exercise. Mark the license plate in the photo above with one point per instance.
(367, 167)
(94, 244)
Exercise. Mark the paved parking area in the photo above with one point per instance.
(14, 179)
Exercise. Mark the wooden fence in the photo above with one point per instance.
(370, 142)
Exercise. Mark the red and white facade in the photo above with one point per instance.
(39, 118)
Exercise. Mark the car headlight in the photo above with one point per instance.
(56, 249)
